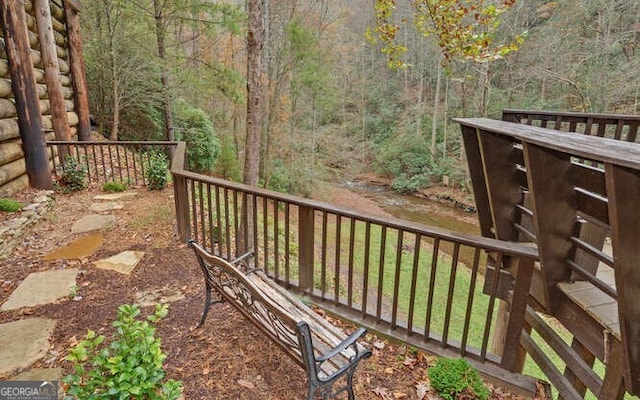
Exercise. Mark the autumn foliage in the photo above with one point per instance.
(462, 28)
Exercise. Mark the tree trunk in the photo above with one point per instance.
(434, 121)
(254, 93)
(164, 74)
(115, 87)
(23, 83)
(78, 73)
(254, 119)
(115, 101)
(52, 72)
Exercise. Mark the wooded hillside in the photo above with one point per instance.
(332, 106)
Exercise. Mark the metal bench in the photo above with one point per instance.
(329, 356)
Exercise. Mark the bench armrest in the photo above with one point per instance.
(350, 341)
(313, 363)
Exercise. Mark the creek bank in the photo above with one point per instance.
(438, 193)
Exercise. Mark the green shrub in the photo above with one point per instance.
(156, 172)
(112, 186)
(128, 368)
(196, 129)
(73, 176)
(10, 206)
(410, 184)
(453, 379)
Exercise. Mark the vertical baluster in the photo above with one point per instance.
(127, 151)
(212, 233)
(365, 269)
(492, 300)
(383, 245)
(54, 151)
(633, 132)
(276, 241)
(227, 223)
(143, 155)
(336, 272)
(111, 168)
(573, 126)
(221, 238)
(287, 241)
(352, 239)
(86, 159)
(323, 261)
(265, 233)
(203, 228)
(194, 214)
(136, 151)
(432, 283)
(236, 225)
(414, 280)
(472, 291)
(245, 222)
(558, 125)
(118, 163)
(396, 279)
(254, 227)
(450, 294)
(95, 162)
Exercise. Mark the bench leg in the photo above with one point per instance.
(327, 391)
(207, 305)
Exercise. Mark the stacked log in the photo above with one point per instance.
(13, 177)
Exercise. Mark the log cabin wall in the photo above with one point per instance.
(13, 172)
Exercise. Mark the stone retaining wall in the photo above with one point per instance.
(13, 230)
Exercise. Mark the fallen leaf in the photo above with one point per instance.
(246, 384)
(422, 388)
(206, 370)
(378, 345)
(388, 371)
(399, 395)
(409, 362)
(382, 392)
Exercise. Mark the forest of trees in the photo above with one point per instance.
(331, 106)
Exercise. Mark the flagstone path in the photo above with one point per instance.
(26, 341)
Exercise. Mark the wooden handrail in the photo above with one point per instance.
(591, 147)
(578, 115)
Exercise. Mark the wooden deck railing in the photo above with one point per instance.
(396, 277)
(109, 161)
(612, 126)
(575, 197)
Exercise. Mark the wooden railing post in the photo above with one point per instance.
(513, 354)
(181, 193)
(623, 188)
(306, 232)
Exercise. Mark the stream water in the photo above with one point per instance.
(416, 209)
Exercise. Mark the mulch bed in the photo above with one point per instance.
(228, 357)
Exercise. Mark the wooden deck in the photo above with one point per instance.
(572, 191)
